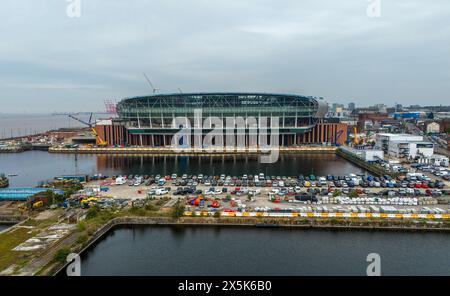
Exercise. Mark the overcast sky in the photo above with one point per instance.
(331, 48)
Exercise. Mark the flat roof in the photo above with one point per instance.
(398, 135)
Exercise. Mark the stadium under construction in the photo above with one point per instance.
(149, 120)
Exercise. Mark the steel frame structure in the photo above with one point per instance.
(157, 111)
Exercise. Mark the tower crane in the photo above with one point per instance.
(155, 90)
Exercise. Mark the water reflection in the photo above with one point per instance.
(35, 166)
(161, 250)
(288, 165)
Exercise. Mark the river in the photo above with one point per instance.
(4, 226)
(33, 167)
(233, 251)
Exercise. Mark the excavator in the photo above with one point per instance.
(99, 141)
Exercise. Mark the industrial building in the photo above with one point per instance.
(436, 159)
(401, 149)
(433, 128)
(149, 120)
(368, 155)
(404, 145)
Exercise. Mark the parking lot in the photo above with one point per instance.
(352, 193)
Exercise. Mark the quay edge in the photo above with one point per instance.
(247, 222)
(169, 151)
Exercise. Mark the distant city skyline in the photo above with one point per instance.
(51, 62)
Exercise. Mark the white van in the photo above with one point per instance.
(121, 181)
(161, 191)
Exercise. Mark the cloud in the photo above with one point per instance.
(326, 48)
(67, 86)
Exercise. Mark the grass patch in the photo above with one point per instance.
(41, 224)
(81, 225)
(178, 210)
(82, 239)
(10, 240)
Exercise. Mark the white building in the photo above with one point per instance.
(365, 154)
(433, 128)
(372, 155)
(403, 145)
(436, 159)
(382, 140)
(405, 149)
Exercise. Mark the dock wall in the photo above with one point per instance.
(194, 152)
(368, 225)
(374, 169)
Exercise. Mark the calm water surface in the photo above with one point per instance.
(33, 167)
(3, 227)
(182, 251)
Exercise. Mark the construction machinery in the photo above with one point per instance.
(38, 204)
(358, 139)
(155, 90)
(99, 141)
(355, 136)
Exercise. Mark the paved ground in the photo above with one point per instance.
(261, 200)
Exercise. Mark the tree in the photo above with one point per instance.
(62, 254)
(178, 210)
(92, 212)
(337, 193)
(353, 194)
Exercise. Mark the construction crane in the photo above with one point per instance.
(99, 141)
(155, 90)
(357, 139)
(82, 121)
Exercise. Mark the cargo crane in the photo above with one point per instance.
(99, 141)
